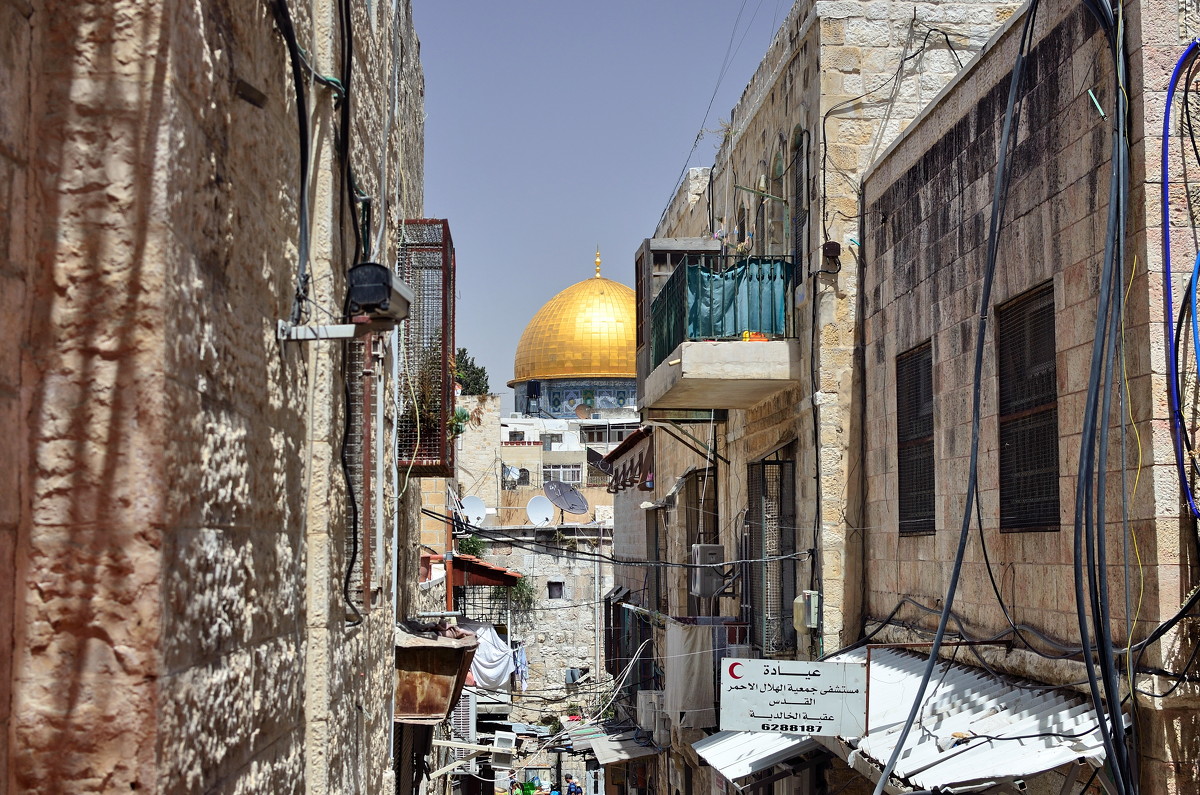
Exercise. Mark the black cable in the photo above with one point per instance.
(345, 23)
(547, 548)
(999, 195)
(283, 20)
(351, 499)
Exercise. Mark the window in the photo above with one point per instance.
(567, 473)
(550, 439)
(914, 440)
(772, 582)
(516, 436)
(609, 434)
(1028, 407)
(697, 508)
(523, 477)
(554, 590)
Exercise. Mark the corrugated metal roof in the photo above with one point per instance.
(608, 743)
(739, 754)
(967, 732)
(620, 747)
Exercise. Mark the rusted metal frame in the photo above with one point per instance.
(366, 527)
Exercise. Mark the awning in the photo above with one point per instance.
(621, 747)
(736, 755)
(470, 570)
(968, 730)
(609, 744)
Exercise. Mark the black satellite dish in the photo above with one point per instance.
(565, 496)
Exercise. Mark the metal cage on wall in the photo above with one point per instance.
(425, 263)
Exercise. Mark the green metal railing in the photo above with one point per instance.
(717, 297)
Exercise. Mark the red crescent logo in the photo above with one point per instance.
(732, 666)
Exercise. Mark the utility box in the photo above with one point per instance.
(705, 580)
(806, 611)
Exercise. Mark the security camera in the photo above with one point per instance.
(377, 292)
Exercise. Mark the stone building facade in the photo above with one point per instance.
(888, 220)
(929, 200)
(757, 435)
(173, 522)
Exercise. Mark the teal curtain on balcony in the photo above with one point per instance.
(750, 296)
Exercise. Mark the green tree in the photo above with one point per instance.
(474, 379)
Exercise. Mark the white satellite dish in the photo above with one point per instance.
(539, 510)
(475, 510)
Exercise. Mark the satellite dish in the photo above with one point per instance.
(565, 496)
(539, 510)
(583, 411)
(475, 509)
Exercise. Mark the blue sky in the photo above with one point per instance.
(556, 127)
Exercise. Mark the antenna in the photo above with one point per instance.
(475, 510)
(565, 496)
(539, 510)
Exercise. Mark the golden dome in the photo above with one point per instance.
(586, 331)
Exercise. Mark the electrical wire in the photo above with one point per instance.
(283, 21)
(545, 548)
(1000, 190)
(1178, 432)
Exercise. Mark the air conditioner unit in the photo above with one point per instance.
(705, 579)
(462, 724)
(649, 707)
(504, 746)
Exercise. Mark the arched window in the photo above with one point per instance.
(523, 477)
(799, 197)
(777, 208)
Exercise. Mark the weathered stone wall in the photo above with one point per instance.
(180, 528)
(838, 83)
(477, 465)
(931, 201)
(559, 633)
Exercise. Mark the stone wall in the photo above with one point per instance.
(559, 633)
(838, 83)
(180, 526)
(931, 197)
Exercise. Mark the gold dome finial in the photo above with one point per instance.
(597, 262)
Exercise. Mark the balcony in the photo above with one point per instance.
(722, 334)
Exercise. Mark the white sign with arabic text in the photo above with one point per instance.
(824, 699)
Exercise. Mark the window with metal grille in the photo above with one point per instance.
(914, 440)
(425, 262)
(697, 505)
(800, 203)
(516, 436)
(658, 536)
(772, 581)
(1025, 349)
